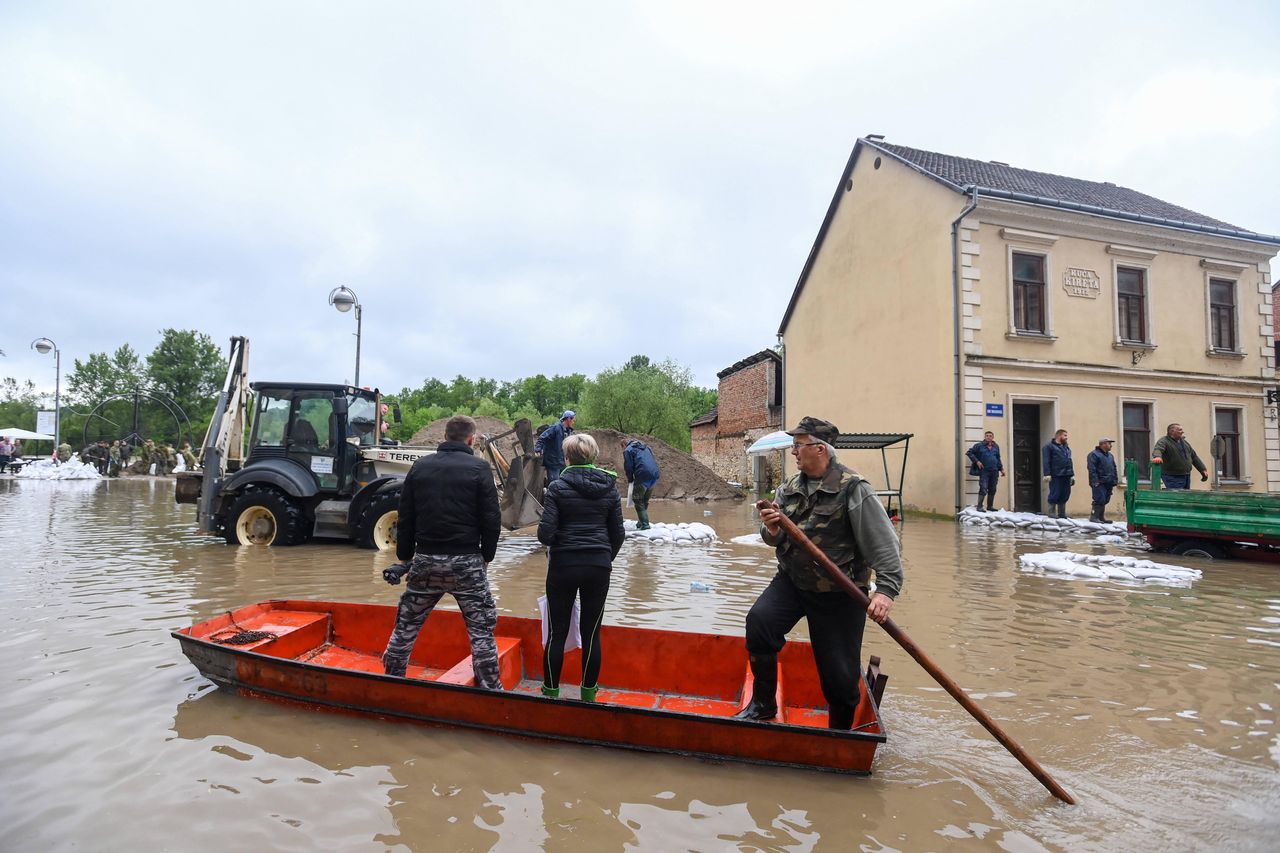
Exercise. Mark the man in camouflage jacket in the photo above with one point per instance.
(839, 512)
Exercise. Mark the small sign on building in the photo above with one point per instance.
(995, 410)
(45, 422)
(1081, 282)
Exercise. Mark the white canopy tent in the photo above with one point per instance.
(768, 443)
(24, 434)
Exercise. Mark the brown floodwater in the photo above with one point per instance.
(1155, 706)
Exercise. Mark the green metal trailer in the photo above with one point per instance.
(1212, 524)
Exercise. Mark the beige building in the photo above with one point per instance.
(945, 296)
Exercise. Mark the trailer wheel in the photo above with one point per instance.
(1199, 548)
(379, 522)
(262, 517)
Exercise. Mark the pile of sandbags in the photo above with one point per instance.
(1034, 521)
(1106, 567)
(47, 469)
(684, 533)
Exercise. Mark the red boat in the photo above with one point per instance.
(660, 691)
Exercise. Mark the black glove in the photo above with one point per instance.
(1203, 476)
(1073, 481)
(393, 573)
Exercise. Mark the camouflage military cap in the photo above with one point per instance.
(816, 427)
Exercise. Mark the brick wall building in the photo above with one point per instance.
(750, 405)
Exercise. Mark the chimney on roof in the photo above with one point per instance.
(875, 136)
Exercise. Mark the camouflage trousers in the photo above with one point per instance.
(464, 577)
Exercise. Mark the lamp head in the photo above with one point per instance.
(343, 298)
(44, 346)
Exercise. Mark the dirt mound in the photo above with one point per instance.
(433, 433)
(682, 476)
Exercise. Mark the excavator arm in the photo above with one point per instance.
(224, 442)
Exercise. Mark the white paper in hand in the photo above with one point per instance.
(574, 640)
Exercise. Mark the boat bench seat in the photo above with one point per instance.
(510, 666)
(295, 632)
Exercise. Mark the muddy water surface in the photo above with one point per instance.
(1155, 706)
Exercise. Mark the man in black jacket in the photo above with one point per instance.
(447, 536)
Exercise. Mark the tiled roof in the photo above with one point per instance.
(998, 180)
(963, 172)
(709, 418)
(748, 361)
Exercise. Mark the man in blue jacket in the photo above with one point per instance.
(1102, 478)
(550, 445)
(1059, 470)
(985, 464)
(642, 473)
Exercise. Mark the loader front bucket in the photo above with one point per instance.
(521, 502)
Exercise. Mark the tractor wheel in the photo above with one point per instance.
(378, 522)
(1199, 548)
(264, 517)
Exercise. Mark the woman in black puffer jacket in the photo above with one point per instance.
(582, 524)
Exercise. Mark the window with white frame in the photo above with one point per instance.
(1029, 294)
(1136, 419)
(1227, 426)
(1222, 315)
(1131, 305)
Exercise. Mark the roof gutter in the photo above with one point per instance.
(956, 338)
(1112, 213)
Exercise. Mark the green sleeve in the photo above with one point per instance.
(876, 538)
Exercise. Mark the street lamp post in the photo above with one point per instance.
(44, 346)
(344, 299)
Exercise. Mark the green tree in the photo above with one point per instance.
(18, 403)
(189, 367)
(100, 377)
(642, 397)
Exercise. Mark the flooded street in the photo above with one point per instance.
(1155, 706)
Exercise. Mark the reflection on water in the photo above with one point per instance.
(1155, 706)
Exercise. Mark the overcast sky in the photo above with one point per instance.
(521, 188)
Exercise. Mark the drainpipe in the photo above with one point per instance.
(956, 348)
(782, 464)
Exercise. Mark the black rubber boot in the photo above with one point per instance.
(991, 503)
(764, 693)
(1096, 515)
(978, 505)
(840, 718)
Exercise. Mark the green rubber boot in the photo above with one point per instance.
(551, 692)
(589, 693)
(642, 518)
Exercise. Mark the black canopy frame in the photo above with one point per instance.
(882, 441)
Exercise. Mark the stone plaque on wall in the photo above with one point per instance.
(1078, 282)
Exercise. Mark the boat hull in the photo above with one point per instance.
(325, 654)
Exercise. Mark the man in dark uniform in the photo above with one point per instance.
(447, 536)
(840, 513)
(550, 445)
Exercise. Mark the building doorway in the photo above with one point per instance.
(1026, 457)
